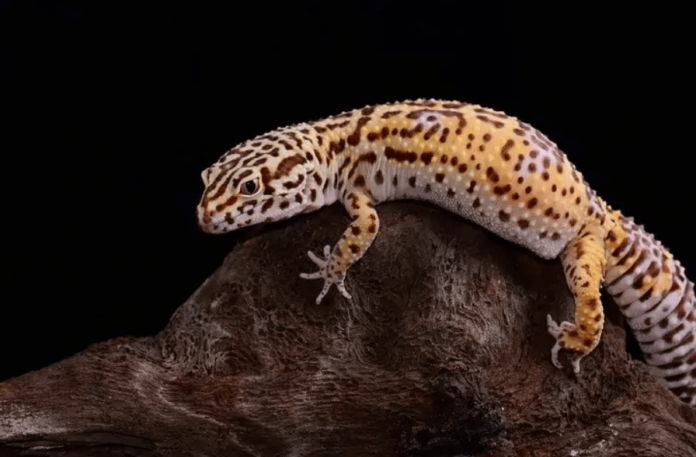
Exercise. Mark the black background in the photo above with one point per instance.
(111, 111)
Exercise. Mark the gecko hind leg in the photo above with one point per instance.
(584, 266)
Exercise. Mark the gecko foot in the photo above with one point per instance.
(557, 332)
(324, 273)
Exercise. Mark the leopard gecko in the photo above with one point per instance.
(489, 168)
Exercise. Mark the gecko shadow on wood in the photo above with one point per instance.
(443, 350)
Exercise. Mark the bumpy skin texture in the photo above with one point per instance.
(488, 167)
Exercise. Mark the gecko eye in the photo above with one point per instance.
(250, 187)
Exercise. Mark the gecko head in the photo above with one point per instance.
(248, 186)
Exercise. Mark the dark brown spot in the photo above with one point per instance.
(428, 188)
(288, 164)
(412, 181)
(503, 216)
(359, 181)
(439, 177)
(444, 158)
(502, 190)
(389, 114)
(519, 132)
(372, 228)
(462, 168)
(545, 176)
(355, 229)
(395, 181)
(505, 150)
(492, 175)
(532, 167)
(445, 132)
(471, 187)
(344, 165)
(426, 157)
(454, 161)
(354, 248)
(523, 223)
(284, 204)
(495, 123)
(555, 236)
(532, 203)
(515, 196)
(528, 189)
(477, 203)
(266, 205)
(400, 156)
(431, 131)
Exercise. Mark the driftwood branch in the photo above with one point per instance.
(443, 351)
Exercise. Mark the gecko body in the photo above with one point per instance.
(489, 168)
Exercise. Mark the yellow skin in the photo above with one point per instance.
(489, 168)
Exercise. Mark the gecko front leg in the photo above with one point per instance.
(350, 248)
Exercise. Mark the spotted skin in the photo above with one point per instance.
(488, 167)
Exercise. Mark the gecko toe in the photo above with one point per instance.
(554, 355)
(554, 329)
(342, 288)
(315, 275)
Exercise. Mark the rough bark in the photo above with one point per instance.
(443, 351)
